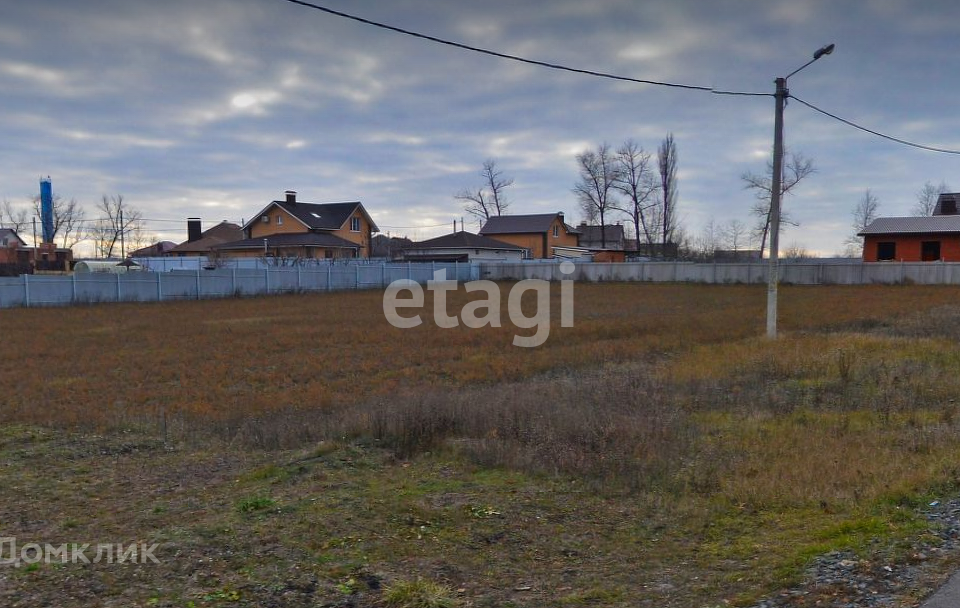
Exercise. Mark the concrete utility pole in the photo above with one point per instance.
(773, 280)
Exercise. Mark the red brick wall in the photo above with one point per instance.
(908, 246)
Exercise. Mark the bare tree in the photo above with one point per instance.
(599, 173)
(797, 251)
(705, 245)
(795, 168)
(927, 198)
(117, 220)
(68, 217)
(734, 235)
(667, 165)
(17, 218)
(863, 213)
(488, 200)
(635, 181)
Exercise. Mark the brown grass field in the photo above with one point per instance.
(300, 451)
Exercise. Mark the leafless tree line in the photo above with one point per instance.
(117, 228)
(631, 181)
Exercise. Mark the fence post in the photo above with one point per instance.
(73, 288)
(299, 280)
(329, 276)
(26, 290)
(409, 270)
(159, 287)
(266, 280)
(233, 281)
(118, 288)
(383, 275)
(357, 280)
(456, 271)
(198, 279)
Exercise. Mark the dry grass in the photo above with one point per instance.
(662, 405)
(110, 365)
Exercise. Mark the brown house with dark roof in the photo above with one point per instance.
(294, 229)
(202, 242)
(17, 258)
(537, 234)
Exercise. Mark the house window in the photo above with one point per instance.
(930, 251)
(355, 224)
(556, 232)
(279, 220)
(886, 251)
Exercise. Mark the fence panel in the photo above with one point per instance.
(182, 282)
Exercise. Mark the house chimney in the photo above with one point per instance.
(291, 196)
(193, 229)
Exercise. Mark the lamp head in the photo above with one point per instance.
(824, 51)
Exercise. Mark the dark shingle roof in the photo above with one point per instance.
(158, 248)
(519, 224)
(464, 240)
(913, 225)
(947, 204)
(292, 239)
(320, 216)
(224, 232)
(614, 232)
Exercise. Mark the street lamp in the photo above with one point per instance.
(774, 276)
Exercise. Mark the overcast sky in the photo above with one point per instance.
(214, 108)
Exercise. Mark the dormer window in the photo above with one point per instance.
(355, 224)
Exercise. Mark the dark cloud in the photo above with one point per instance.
(212, 108)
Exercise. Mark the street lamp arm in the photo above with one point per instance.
(826, 50)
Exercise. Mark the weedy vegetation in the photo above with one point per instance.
(301, 450)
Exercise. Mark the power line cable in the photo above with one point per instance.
(414, 227)
(475, 49)
(877, 133)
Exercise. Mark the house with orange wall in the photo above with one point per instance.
(537, 234)
(296, 229)
(916, 239)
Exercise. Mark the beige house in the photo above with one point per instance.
(295, 229)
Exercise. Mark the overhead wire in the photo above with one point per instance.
(873, 132)
(557, 66)
(476, 49)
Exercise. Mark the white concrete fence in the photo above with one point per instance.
(812, 273)
(185, 284)
(193, 284)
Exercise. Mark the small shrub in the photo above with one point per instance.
(256, 503)
(418, 594)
